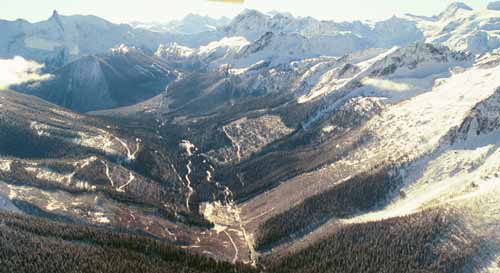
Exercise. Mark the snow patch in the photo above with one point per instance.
(40, 129)
(174, 50)
(99, 217)
(226, 43)
(5, 165)
(188, 147)
(122, 49)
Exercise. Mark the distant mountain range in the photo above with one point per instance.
(190, 24)
(61, 39)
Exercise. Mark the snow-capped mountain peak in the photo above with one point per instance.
(461, 28)
(225, 44)
(454, 8)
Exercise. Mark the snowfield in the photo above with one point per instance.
(462, 28)
(418, 124)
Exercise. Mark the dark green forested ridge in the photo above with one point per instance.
(31, 244)
(430, 241)
(360, 193)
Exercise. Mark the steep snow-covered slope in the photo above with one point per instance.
(219, 49)
(393, 76)
(430, 116)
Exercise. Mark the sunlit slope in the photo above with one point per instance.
(436, 149)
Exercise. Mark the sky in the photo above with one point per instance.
(121, 11)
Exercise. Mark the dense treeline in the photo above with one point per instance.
(430, 241)
(19, 141)
(360, 193)
(281, 162)
(29, 244)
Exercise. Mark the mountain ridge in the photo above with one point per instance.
(285, 143)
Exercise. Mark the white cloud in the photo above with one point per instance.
(19, 70)
(386, 85)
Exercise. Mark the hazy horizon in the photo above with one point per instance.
(120, 11)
